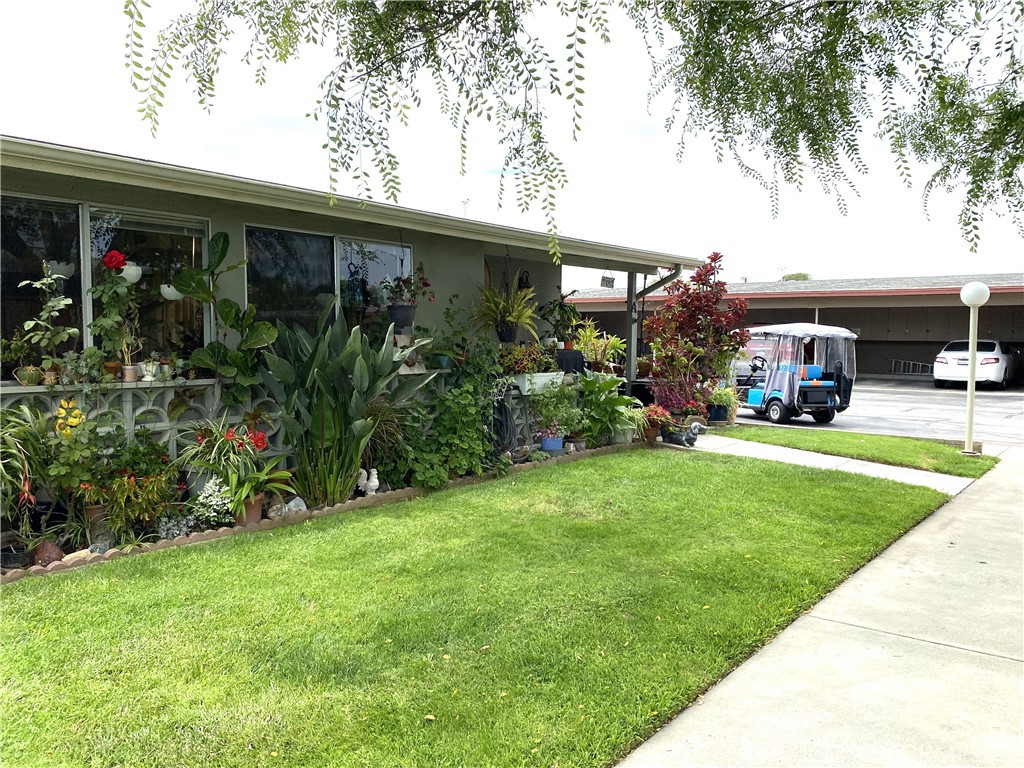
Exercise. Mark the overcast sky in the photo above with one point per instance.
(64, 80)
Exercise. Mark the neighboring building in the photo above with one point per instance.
(71, 206)
(898, 320)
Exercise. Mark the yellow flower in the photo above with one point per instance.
(66, 433)
(74, 421)
(65, 405)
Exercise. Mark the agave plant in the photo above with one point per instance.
(324, 384)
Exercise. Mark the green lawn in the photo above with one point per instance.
(884, 449)
(556, 616)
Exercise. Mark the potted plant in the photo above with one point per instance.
(655, 418)
(507, 310)
(603, 350)
(562, 317)
(722, 404)
(44, 331)
(555, 414)
(235, 455)
(531, 366)
(151, 367)
(14, 351)
(606, 411)
(403, 294)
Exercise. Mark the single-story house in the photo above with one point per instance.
(901, 322)
(304, 249)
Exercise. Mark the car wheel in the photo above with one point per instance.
(823, 417)
(1005, 382)
(777, 412)
(939, 384)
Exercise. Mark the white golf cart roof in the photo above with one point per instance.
(804, 331)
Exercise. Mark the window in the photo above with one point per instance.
(160, 247)
(32, 231)
(290, 275)
(362, 266)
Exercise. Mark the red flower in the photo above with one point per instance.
(84, 486)
(259, 440)
(241, 444)
(181, 486)
(230, 434)
(114, 260)
(199, 438)
(163, 459)
(124, 472)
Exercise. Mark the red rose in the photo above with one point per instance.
(114, 260)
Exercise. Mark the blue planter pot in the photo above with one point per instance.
(549, 444)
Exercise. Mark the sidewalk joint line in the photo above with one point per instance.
(919, 639)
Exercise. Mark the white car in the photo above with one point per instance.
(996, 364)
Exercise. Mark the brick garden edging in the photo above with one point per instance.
(363, 502)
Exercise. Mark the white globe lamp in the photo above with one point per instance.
(974, 295)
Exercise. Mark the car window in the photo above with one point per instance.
(961, 346)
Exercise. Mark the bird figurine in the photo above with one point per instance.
(361, 482)
(372, 483)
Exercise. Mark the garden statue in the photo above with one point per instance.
(688, 438)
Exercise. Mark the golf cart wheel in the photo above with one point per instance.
(940, 384)
(824, 417)
(777, 412)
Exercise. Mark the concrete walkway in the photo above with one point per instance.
(916, 660)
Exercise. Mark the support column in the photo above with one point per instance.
(631, 326)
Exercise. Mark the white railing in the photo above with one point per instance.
(142, 405)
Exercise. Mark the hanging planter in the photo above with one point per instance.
(131, 272)
(170, 293)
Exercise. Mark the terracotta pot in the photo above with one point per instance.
(651, 434)
(253, 511)
(97, 513)
(46, 552)
(113, 367)
(568, 344)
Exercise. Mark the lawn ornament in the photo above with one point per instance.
(687, 438)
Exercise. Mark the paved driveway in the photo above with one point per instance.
(917, 409)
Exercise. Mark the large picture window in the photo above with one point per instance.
(160, 247)
(33, 231)
(290, 275)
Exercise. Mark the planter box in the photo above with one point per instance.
(529, 383)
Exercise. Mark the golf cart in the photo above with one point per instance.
(791, 369)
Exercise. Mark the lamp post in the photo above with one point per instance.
(974, 294)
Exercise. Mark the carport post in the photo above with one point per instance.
(974, 294)
(631, 326)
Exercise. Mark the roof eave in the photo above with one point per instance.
(99, 166)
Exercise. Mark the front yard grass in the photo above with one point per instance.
(883, 449)
(557, 616)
